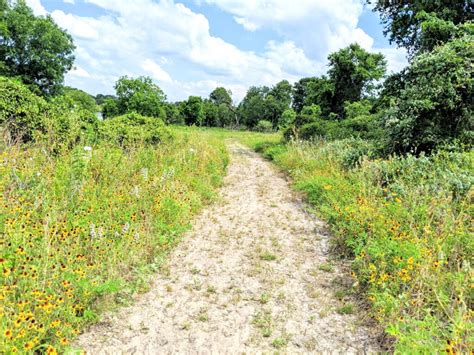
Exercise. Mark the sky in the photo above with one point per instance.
(190, 47)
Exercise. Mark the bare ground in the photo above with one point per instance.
(253, 276)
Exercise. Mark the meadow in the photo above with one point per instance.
(82, 230)
(406, 224)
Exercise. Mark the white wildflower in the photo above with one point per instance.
(92, 233)
(144, 172)
(87, 148)
(125, 228)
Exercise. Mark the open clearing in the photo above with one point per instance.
(253, 275)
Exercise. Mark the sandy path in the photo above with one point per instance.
(246, 278)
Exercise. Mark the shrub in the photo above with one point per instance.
(264, 126)
(436, 104)
(21, 111)
(133, 128)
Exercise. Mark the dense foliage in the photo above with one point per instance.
(33, 48)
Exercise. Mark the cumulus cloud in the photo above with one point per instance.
(36, 6)
(155, 70)
(79, 72)
(174, 45)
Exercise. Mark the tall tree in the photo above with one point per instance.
(193, 111)
(353, 72)
(221, 95)
(301, 92)
(403, 19)
(33, 48)
(140, 95)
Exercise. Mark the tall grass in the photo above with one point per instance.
(79, 230)
(407, 224)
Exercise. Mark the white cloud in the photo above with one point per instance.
(36, 6)
(318, 27)
(173, 44)
(396, 58)
(69, 2)
(79, 72)
(156, 71)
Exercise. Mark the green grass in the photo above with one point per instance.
(81, 230)
(267, 256)
(406, 223)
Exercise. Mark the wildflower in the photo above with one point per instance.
(87, 148)
(64, 341)
(51, 350)
(92, 232)
(327, 187)
(28, 345)
(125, 228)
(8, 334)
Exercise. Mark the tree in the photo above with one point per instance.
(173, 114)
(320, 91)
(436, 102)
(33, 48)
(301, 92)
(353, 72)
(193, 111)
(221, 95)
(252, 108)
(140, 95)
(211, 113)
(110, 108)
(80, 98)
(403, 20)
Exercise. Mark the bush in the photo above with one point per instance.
(436, 105)
(264, 126)
(21, 111)
(133, 128)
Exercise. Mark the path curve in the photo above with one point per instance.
(251, 276)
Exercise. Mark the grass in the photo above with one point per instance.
(346, 309)
(406, 223)
(266, 256)
(81, 230)
(326, 267)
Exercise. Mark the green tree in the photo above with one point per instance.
(353, 72)
(173, 114)
(404, 20)
(221, 95)
(110, 108)
(320, 91)
(252, 108)
(140, 95)
(33, 48)
(193, 111)
(436, 103)
(300, 93)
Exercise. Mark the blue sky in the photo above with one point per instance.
(190, 47)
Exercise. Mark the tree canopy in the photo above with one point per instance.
(33, 48)
(139, 95)
(403, 20)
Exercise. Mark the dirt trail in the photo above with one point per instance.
(253, 275)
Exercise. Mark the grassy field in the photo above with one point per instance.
(407, 224)
(80, 231)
